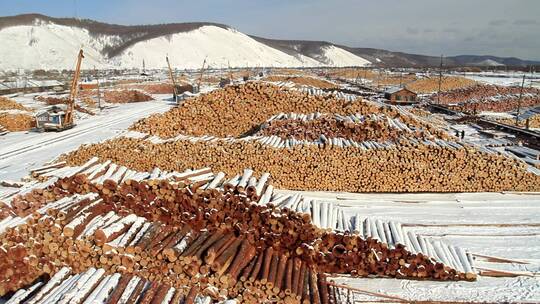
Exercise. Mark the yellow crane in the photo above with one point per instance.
(74, 90)
(173, 81)
(199, 81)
(55, 118)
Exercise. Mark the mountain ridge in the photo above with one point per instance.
(116, 44)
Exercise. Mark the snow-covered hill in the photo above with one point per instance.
(42, 43)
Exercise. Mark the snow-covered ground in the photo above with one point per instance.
(506, 78)
(22, 151)
(505, 225)
(45, 45)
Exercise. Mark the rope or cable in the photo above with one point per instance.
(370, 293)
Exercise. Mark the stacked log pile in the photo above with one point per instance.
(352, 127)
(421, 167)
(17, 121)
(218, 241)
(498, 104)
(534, 121)
(489, 98)
(481, 91)
(236, 110)
(303, 81)
(9, 104)
(126, 96)
(431, 84)
(377, 78)
(97, 286)
(52, 100)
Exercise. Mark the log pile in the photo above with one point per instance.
(9, 104)
(534, 121)
(303, 81)
(126, 96)
(97, 286)
(479, 92)
(17, 122)
(377, 78)
(421, 167)
(218, 241)
(489, 98)
(52, 100)
(236, 110)
(359, 128)
(498, 104)
(431, 84)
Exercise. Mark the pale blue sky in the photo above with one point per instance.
(450, 27)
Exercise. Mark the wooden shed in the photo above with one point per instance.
(400, 95)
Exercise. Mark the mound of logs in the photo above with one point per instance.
(303, 81)
(497, 104)
(52, 100)
(431, 84)
(534, 121)
(126, 96)
(480, 91)
(236, 110)
(185, 236)
(372, 128)
(17, 122)
(420, 168)
(9, 104)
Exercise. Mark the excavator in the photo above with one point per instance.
(55, 118)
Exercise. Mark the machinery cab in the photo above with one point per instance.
(53, 119)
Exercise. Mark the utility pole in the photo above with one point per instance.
(400, 79)
(98, 91)
(519, 100)
(440, 82)
(531, 80)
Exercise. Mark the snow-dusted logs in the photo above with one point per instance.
(205, 230)
(236, 110)
(359, 128)
(432, 166)
(106, 178)
(94, 286)
(327, 215)
(489, 98)
(231, 266)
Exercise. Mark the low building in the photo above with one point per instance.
(30, 86)
(400, 95)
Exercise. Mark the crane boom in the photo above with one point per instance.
(175, 93)
(202, 73)
(74, 90)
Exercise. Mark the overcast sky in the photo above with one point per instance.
(450, 27)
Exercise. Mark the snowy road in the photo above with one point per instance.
(22, 151)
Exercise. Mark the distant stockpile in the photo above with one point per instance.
(427, 166)
(303, 81)
(126, 96)
(359, 128)
(489, 98)
(328, 144)
(237, 110)
(431, 84)
(534, 121)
